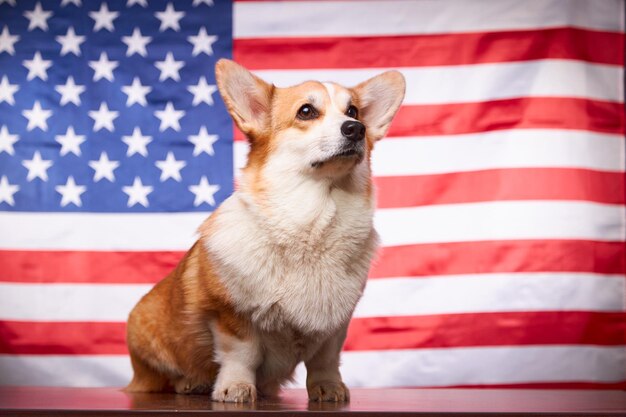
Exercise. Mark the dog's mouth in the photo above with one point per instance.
(350, 153)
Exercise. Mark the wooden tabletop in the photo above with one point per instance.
(425, 402)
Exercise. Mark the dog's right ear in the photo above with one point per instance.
(248, 98)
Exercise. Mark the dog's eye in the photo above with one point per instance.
(352, 112)
(307, 112)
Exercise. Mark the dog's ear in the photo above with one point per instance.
(379, 100)
(247, 97)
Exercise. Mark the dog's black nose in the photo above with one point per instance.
(353, 130)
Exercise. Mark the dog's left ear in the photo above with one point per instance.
(380, 98)
(247, 97)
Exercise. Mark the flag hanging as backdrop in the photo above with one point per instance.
(501, 192)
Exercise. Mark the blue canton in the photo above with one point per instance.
(111, 106)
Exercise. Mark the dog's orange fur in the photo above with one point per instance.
(170, 325)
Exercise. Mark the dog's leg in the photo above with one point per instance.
(323, 380)
(146, 378)
(239, 357)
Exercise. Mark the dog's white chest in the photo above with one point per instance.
(308, 279)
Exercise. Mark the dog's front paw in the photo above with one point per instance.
(239, 392)
(329, 391)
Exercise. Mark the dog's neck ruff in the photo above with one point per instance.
(298, 258)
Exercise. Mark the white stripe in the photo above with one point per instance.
(454, 294)
(480, 365)
(394, 368)
(494, 220)
(99, 231)
(500, 220)
(395, 17)
(518, 148)
(240, 155)
(69, 302)
(383, 297)
(65, 370)
(481, 82)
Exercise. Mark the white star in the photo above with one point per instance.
(136, 92)
(204, 192)
(7, 90)
(37, 67)
(169, 117)
(70, 192)
(137, 193)
(7, 140)
(203, 142)
(37, 18)
(169, 18)
(7, 41)
(169, 68)
(103, 68)
(104, 168)
(198, 2)
(170, 167)
(70, 142)
(136, 43)
(103, 118)
(9, 2)
(202, 92)
(202, 42)
(70, 92)
(37, 117)
(142, 3)
(75, 2)
(103, 18)
(137, 143)
(7, 190)
(70, 42)
(37, 167)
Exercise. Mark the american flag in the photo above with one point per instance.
(501, 189)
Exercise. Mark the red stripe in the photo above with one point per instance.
(487, 329)
(515, 113)
(394, 261)
(500, 256)
(430, 50)
(57, 338)
(440, 331)
(86, 267)
(501, 185)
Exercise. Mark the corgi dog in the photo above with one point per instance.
(280, 265)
